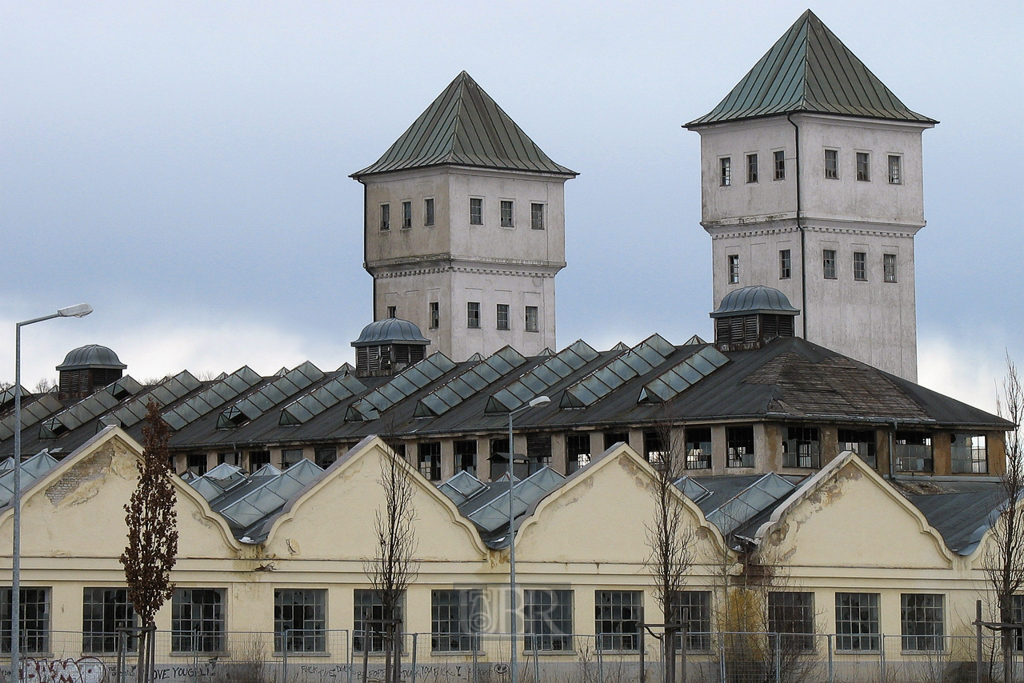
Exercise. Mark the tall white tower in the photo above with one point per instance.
(464, 224)
(811, 183)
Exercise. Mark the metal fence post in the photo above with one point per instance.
(881, 656)
(536, 662)
(721, 656)
(600, 657)
(415, 643)
(778, 658)
(284, 654)
(831, 664)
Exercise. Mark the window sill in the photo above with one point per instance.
(302, 654)
(873, 653)
(201, 655)
(457, 653)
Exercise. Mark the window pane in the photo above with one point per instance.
(751, 168)
(34, 624)
(385, 216)
(455, 619)
(780, 165)
(507, 214)
(831, 164)
(300, 620)
(104, 611)
(792, 615)
(537, 216)
(617, 619)
(726, 171)
(547, 617)
(197, 620)
(863, 166)
(921, 618)
(857, 621)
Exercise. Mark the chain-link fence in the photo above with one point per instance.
(322, 656)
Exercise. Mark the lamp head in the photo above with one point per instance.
(540, 401)
(76, 311)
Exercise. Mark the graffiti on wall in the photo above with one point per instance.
(84, 670)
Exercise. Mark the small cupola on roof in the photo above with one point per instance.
(749, 317)
(388, 346)
(88, 369)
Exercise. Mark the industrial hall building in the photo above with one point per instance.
(805, 438)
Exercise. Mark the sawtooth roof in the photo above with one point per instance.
(465, 127)
(810, 70)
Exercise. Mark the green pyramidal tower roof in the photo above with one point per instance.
(810, 70)
(465, 127)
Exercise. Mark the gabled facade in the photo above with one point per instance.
(464, 226)
(811, 182)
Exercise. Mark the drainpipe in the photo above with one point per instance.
(800, 226)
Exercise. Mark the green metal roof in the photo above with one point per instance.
(810, 70)
(464, 127)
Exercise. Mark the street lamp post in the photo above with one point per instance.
(539, 401)
(78, 311)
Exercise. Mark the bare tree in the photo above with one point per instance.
(394, 567)
(669, 536)
(152, 534)
(45, 385)
(1004, 563)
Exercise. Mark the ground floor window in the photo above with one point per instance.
(921, 621)
(455, 620)
(369, 622)
(857, 622)
(300, 620)
(197, 620)
(693, 608)
(791, 615)
(34, 625)
(617, 619)
(104, 611)
(547, 617)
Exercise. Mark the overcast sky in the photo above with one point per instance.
(183, 166)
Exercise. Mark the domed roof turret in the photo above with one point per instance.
(91, 356)
(390, 331)
(754, 300)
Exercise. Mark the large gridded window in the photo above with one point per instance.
(385, 216)
(258, 459)
(857, 622)
(428, 211)
(104, 611)
(538, 451)
(617, 616)
(547, 620)
(532, 319)
(473, 315)
(290, 456)
(780, 164)
(895, 169)
(969, 453)
(734, 269)
(828, 263)
(921, 622)
(435, 315)
(197, 620)
(499, 457)
(860, 266)
(455, 620)
(430, 460)
(655, 451)
(368, 620)
(406, 215)
(324, 456)
(476, 211)
(1017, 615)
(300, 620)
(507, 214)
(465, 456)
(725, 170)
(751, 168)
(913, 451)
(537, 216)
(693, 608)
(501, 315)
(577, 452)
(698, 448)
(801, 447)
(792, 616)
(861, 442)
(785, 264)
(832, 164)
(889, 267)
(863, 166)
(34, 625)
(739, 444)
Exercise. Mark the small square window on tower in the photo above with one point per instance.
(734, 269)
(832, 164)
(406, 215)
(435, 315)
(473, 315)
(860, 266)
(502, 316)
(532, 319)
(751, 168)
(507, 210)
(889, 267)
(863, 166)
(785, 264)
(385, 216)
(895, 169)
(828, 263)
(725, 164)
(392, 311)
(537, 216)
(476, 211)
(780, 165)
(428, 211)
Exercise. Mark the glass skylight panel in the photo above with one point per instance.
(401, 387)
(683, 375)
(267, 499)
(7, 396)
(212, 397)
(641, 359)
(31, 413)
(693, 490)
(750, 502)
(32, 469)
(288, 384)
(541, 378)
(331, 393)
(88, 408)
(462, 487)
(494, 514)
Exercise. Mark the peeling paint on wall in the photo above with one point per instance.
(81, 482)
